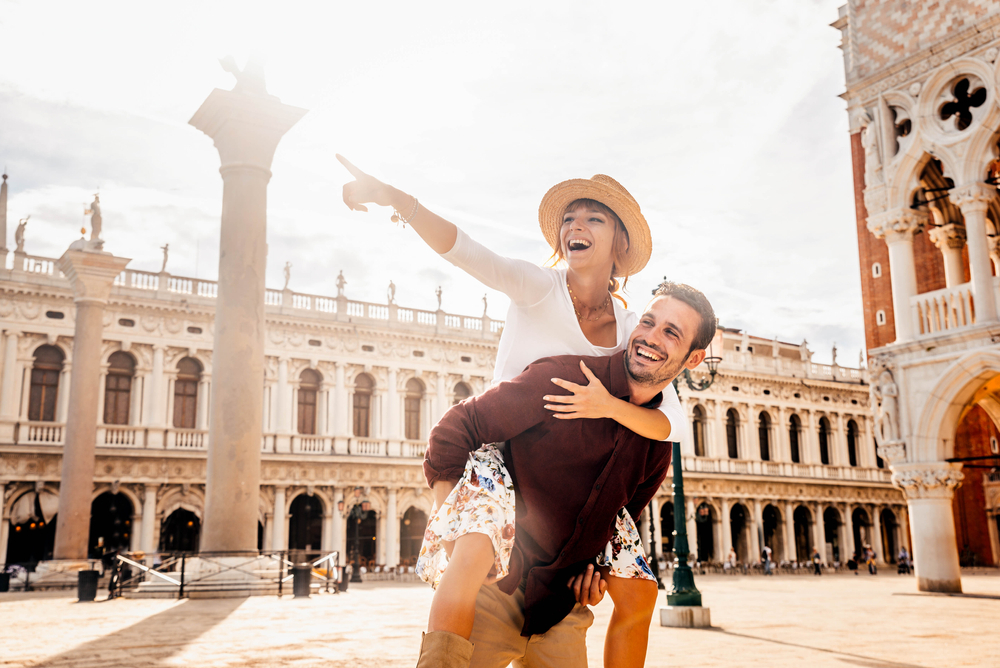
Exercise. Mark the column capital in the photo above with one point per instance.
(928, 480)
(951, 235)
(973, 197)
(896, 225)
(91, 273)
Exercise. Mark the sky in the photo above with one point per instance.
(721, 117)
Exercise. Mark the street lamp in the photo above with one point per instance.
(684, 592)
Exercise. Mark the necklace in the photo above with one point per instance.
(601, 309)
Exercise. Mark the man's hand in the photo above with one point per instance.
(587, 401)
(588, 587)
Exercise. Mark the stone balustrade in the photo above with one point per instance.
(943, 310)
(784, 469)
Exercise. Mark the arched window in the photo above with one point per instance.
(852, 442)
(794, 430)
(462, 392)
(186, 393)
(824, 440)
(732, 424)
(45, 384)
(308, 388)
(764, 435)
(698, 429)
(363, 386)
(118, 388)
(411, 408)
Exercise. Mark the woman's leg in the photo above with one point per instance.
(628, 632)
(454, 606)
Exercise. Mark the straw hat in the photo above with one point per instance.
(612, 194)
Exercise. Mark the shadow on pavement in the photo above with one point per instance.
(845, 657)
(148, 643)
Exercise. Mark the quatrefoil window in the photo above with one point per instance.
(963, 104)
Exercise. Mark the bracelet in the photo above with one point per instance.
(397, 218)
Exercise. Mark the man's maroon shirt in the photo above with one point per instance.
(571, 476)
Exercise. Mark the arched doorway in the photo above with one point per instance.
(831, 523)
(32, 530)
(411, 535)
(771, 517)
(666, 528)
(305, 525)
(361, 526)
(739, 527)
(704, 522)
(889, 532)
(110, 524)
(180, 532)
(803, 540)
(862, 530)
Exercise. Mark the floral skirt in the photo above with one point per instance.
(483, 502)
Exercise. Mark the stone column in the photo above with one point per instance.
(9, 394)
(91, 272)
(727, 528)
(974, 200)
(282, 409)
(135, 534)
(809, 445)
(442, 397)
(877, 543)
(656, 536)
(280, 519)
(819, 525)
(790, 553)
(342, 426)
(246, 125)
(4, 525)
(392, 535)
(929, 488)
(157, 407)
(148, 518)
(203, 412)
(904, 529)
(380, 539)
(757, 535)
(849, 547)
(62, 394)
(897, 228)
(326, 540)
(780, 448)
(950, 239)
(642, 523)
(717, 447)
(139, 382)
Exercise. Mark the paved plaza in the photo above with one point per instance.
(835, 620)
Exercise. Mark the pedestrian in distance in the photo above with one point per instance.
(766, 558)
(904, 561)
(870, 560)
(817, 562)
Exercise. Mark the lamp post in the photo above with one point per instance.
(684, 598)
(359, 513)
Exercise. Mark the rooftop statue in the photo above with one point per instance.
(391, 292)
(166, 251)
(250, 79)
(96, 222)
(19, 234)
(437, 293)
(288, 274)
(341, 282)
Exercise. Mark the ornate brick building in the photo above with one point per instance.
(922, 96)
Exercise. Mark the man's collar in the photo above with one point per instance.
(618, 382)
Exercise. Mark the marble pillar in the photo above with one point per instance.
(950, 239)
(849, 548)
(657, 532)
(156, 409)
(280, 520)
(9, 394)
(91, 272)
(392, 524)
(727, 528)
(974, 201)
(148, 518)
(757, 532)
(337, 526)
(929, 489)
(877, 544)
(790, 553)
(4, 525)
(246, 125)
(819, 525)
(897, 227)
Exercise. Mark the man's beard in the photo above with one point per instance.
(656, 377)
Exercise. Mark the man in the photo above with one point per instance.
(571, 479)
(768, 564)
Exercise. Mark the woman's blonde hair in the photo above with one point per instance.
(619, 245)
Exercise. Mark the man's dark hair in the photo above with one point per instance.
(699, 302)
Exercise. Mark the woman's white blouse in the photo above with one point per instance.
(541, 321)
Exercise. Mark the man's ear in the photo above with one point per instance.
(694, 359)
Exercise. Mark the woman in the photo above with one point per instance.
(595, 227)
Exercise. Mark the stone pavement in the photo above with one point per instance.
(834, 620)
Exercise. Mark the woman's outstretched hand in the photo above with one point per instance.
(587, 401)
(364, 189)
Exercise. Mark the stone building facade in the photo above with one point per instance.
(922, 86)
(779, 450)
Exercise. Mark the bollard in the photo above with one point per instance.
(301, 580)
(87, 585)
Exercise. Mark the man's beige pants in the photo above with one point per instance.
(498, 640)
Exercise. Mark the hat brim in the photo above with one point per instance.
(561, 195)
